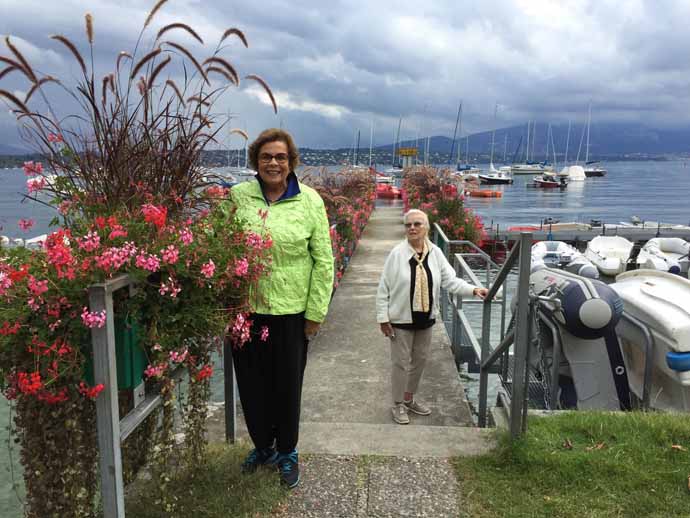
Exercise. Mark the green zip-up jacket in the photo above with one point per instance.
(301, 275)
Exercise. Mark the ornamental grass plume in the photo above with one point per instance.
(123, 172)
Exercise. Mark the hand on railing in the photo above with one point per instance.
(480, 292)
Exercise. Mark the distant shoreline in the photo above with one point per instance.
(327, 157)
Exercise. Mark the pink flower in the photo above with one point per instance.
(35, 184)
(170, 254)
(55, 138)
(208, 269)
(64, 207)
(38, 288)
(33, 168)
(155, 371)
(89, 242)
(264, 333)
(241, 267)
(186, 236)
(148, 262)
(170, 287)
(176, 357)
(26, 224)
(92, 319)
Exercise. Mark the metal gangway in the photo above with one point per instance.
(509, 358)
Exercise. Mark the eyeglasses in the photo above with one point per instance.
(266, 158)
(414, 224)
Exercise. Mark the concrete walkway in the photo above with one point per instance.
(355, 461)
(346, 402)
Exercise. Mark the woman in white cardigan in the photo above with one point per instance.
(406, 301)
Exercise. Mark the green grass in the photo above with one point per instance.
(619, 465)
(216, 489)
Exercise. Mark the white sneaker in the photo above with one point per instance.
(417, 407)
(400, 414)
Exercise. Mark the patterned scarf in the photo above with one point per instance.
(420, 300)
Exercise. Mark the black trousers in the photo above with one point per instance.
(269, 377)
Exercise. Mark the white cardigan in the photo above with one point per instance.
(393, 295)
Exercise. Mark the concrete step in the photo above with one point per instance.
(393, 439)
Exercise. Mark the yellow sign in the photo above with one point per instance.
(407, 151)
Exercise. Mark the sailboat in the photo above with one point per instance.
(528, 167)
(495, 176)
(396, 168)
(591, 167)
(241, 172)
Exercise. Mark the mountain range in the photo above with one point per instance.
(606, 140)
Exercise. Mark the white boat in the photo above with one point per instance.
(575, 173)
(529, 168)
(558, 254)
(592, 170)
(495, 177)
(666, 254)
(659, 303)
(609, 254)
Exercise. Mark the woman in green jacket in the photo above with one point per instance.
(291, 301)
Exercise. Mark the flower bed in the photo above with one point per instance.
(430, 190)
(349, 198)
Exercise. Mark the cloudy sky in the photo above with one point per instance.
(336, 66)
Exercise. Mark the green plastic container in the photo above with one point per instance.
(130, 357)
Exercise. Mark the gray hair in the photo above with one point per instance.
(417, 211)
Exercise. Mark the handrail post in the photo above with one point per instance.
(107, 412)
(230, 395)
(521, 337)
(484, 369)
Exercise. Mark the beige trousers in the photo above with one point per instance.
(408, 357)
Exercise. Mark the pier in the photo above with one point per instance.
(356, 461)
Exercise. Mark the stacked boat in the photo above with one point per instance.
(614, 346)
(559, 254)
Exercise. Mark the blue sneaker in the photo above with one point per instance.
(259, 457)
(288, 466)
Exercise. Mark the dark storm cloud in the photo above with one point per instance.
(337, 66)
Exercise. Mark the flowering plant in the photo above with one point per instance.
(349, 199)
(124, 176)
(429, 190)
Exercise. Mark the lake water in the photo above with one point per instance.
(656, 191)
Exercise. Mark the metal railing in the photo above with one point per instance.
(492, 359)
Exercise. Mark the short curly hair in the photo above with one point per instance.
(273, 135)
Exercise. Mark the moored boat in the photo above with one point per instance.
(609, 254)
(550, 182)
(666, 254)
(558, 254)
(656, 340)
(496, 177)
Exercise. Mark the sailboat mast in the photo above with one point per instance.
(534, 135)
(455, 134)
(527, 146)
(459, 135)
(493, 134)
(567, 144)
(505, 147)
(371, 140)
(397, 138)
(589, 122)
(357, 149)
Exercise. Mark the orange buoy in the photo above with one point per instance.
(485, 194)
